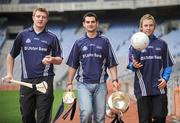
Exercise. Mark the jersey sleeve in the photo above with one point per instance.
(166, 73)
(56, 48)
(73, 59)
(168, 59)
(16, 48)
(111, 57)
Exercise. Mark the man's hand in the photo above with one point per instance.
(136, 64)
(47, 60)
(116, 85)
(7, 79)
(162, 83)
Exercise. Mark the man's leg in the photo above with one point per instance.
(44, 108)
(44, 102)
(27, 105)
(84, 102)
(160, 110)
(144, 109)
(99, 103)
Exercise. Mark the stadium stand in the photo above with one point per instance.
(173, 41)
(56, 27)
(119, 34)
(5, 1)
(52, 1)
(2, 37)
(69, 37)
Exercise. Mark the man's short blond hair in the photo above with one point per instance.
(41, 9)
(146, 17)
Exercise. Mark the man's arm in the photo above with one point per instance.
(52, 60)
(71, 74)
(56, 60)
(113, 72)
(10, 66)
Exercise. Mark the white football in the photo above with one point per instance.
(139, 41)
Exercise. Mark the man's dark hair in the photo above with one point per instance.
(90, 14)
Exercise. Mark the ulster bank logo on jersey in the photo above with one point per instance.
(28, 41)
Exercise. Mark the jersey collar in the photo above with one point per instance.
(32, 29)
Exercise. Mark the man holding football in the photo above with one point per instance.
(152, 67)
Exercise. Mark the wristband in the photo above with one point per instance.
(115, 80)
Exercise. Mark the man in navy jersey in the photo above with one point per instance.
(152, 72)
(39, 49)
(90, 56)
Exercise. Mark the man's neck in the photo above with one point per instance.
(37, 30)
(91, 34)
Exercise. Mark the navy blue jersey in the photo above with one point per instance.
(92, 57)
(33, 48)
(154, 58)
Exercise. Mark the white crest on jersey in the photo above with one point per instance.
(28, 41)
(84, 48)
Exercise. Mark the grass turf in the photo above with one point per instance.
(9, 106)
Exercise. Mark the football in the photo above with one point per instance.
(139, 41)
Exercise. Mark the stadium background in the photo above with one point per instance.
(118, 21)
